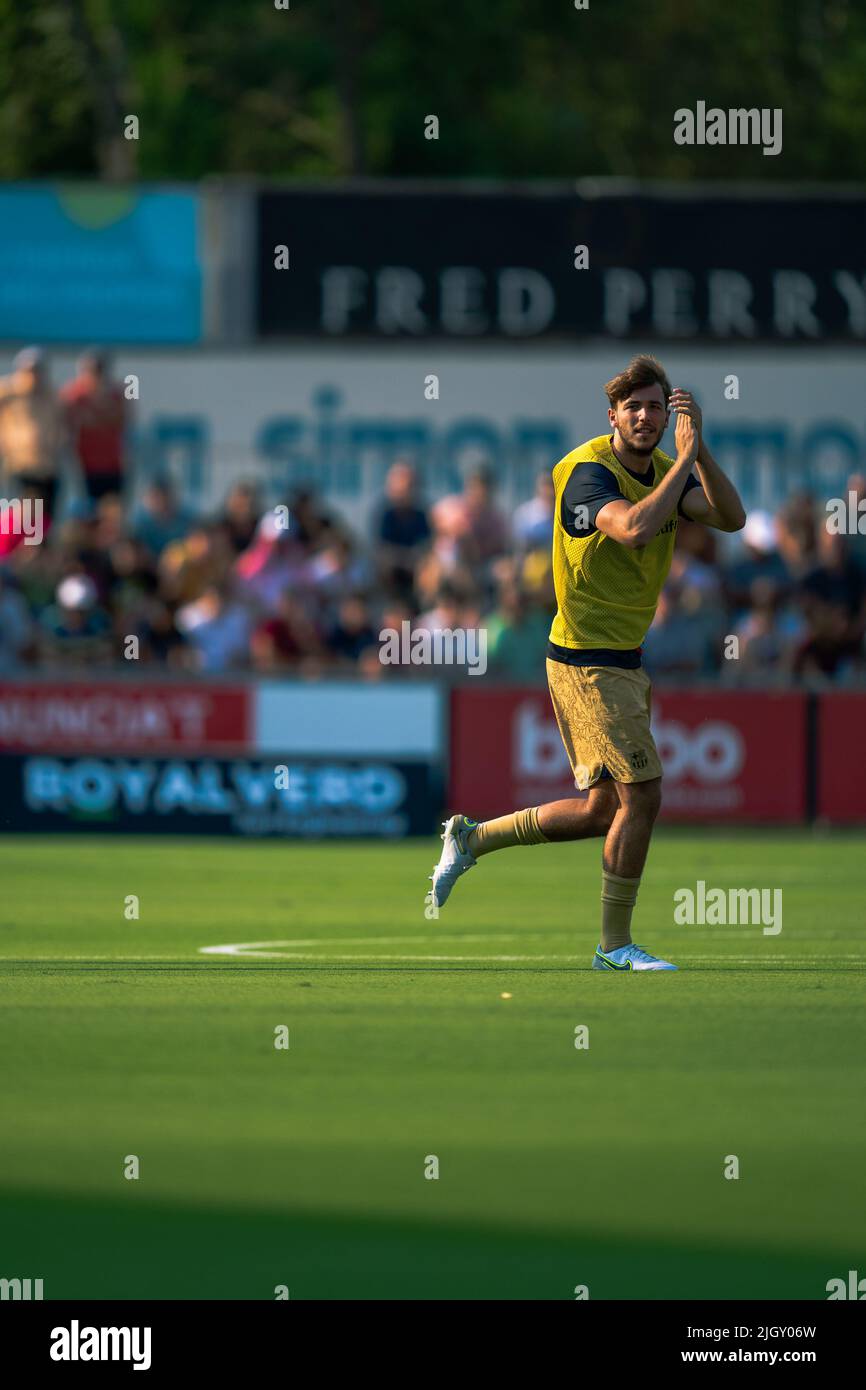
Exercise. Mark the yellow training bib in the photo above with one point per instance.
(607, 593)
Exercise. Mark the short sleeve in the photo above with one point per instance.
(691, 481)
(591, 486)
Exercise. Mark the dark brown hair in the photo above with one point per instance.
(642, 370)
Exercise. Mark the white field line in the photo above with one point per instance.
(289, 950)
(286, 950)
(250, 948)
(687, 960)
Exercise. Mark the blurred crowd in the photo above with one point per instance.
(293, 589)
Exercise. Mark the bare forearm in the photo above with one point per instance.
(720, 491)
(648, 516)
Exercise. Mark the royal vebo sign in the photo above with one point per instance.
(119, 717)
(212, 795)
(727, 757)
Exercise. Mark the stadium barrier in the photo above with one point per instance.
(727, 756)
(256, 758)
(333, 758)
(840, 757)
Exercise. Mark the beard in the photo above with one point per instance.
(643, 444)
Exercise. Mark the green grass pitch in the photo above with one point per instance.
(304, 1167)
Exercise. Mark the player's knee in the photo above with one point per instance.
(604, 816)
(642, 800)
(652, 798)
(602, 809)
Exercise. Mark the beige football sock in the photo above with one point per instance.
(519, 828)
(618, 897)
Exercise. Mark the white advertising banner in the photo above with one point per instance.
(336, 417)
(334, 718)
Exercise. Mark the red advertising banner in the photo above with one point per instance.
(841, 791)
(732, 755)
(505, 751)
(118, 717)
(727, 756)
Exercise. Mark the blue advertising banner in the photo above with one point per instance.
(86, 264)
(312, 798)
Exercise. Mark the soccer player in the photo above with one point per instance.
(614, 528)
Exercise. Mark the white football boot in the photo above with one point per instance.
(629, 958)
(454, 860)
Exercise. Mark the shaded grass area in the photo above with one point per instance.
(557, 1166)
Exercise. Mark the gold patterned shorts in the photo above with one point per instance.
(603, 715)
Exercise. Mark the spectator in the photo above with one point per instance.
(766, 642)
(133, 575)
(240, 516)
(160, 519)
(16, 627)
(189, 567)
(245, 591)
(760, 559)
(536, 580)
(485, 522)
(681, 638)
(401, 530)
(216, 628)
(469, 527)
(152, 622)
(286, 640)
(309, 522)
(797, 530)
(533, 520)
(276, 560)
(829, 649)
(110, 522)
(453, 609)
(96, 413)
(75, 628)
(517, 636)
(429, 576)
(695, 562)
(394, 615)
(834, 577)
(353, 631)
(338, 570)
(76, 551)
(32, 432)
